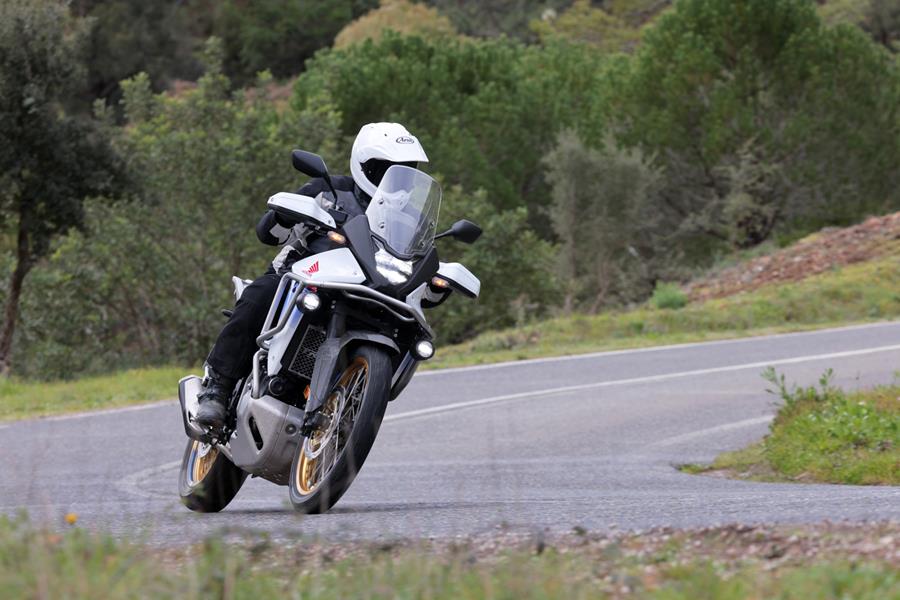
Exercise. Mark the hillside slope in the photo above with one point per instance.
(824, 251)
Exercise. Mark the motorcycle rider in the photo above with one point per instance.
(377, 147)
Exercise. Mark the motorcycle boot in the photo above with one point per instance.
(214, 400)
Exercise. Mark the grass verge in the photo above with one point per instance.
(20, 399)
(823, 434)
(721, 563)
(855, 294)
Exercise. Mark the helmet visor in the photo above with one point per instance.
(375, 168)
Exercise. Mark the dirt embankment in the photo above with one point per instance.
(828, 249)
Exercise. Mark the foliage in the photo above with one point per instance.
(883, 23)
(598, 197)
(401, 16)
(668, 295)
(516, 286)
(49, 161)
(132, 36)
(822, 433)
(279, 35)
(760, 116)
(582, 22)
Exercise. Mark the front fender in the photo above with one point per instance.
(327, 363)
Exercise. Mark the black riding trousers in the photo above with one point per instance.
(232, 354)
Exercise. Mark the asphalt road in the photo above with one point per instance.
(583, 441)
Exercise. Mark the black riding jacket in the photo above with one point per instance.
(298, 240)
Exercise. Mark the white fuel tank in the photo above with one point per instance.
(338, 266)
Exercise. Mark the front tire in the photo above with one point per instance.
(327, 462)
(208, 480)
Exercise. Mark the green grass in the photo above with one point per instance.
(76, 564)
(824, 434)
(19, 399)
(668, 295)
(864, 292)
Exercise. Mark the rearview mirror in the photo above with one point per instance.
(463, 230)
(309, 163)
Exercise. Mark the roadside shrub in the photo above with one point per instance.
(599, 195)
(826, 434)
(668, 295)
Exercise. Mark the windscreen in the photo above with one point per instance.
(404, 211)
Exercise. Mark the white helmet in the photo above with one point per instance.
(377, 147)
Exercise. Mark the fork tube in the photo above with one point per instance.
(337, 326)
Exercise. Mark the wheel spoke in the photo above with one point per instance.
(342, 418)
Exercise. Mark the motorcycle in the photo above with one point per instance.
(343, 337)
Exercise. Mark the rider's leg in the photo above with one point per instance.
(231, 358)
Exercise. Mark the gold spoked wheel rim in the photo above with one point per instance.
(321, 451)
(203, 456)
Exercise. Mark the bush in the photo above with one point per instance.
(668, 295)
(826, 434)
(598, 197)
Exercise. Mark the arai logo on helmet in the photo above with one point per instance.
(405, 139)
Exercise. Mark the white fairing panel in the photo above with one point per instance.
(338, 266)
(303, 206)
(460, 278)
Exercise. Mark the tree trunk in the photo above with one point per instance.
(11, 314)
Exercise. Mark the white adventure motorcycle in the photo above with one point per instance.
(343, 337)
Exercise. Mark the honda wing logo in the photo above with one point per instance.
(313, 269)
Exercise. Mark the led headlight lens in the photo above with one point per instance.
(424, 349)
(393, 269)
(310, 301)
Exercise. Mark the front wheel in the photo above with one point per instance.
(208, 481)
(327, 462)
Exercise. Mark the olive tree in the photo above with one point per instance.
(49, 161)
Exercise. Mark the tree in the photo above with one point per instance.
(49, 162)
(583, 22)
(598, 196)
(401, 16)
(883, 23)
(279, 35)
(127, 37)
(760, 92)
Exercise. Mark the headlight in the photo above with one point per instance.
(423, 349)
(310, 301)
(393, 269)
